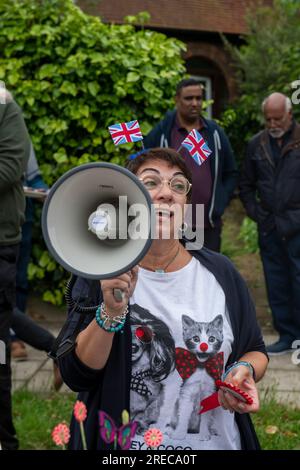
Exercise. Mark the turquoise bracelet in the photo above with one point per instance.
(111, 325)
(239, 363)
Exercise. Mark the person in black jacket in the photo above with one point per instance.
(33, 179)
(186, 317)
(270, 192)
(14, 154)
(215, 180)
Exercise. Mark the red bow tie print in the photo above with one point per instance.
(187, 363)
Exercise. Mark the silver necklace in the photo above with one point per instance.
(163, 270)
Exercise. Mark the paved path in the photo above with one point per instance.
(282, 378)
(36, 373)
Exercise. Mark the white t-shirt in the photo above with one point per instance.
(186, 312)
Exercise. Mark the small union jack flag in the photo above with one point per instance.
(125, 132)
(197, 147)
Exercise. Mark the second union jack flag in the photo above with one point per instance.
(125, 132)
(197, 147)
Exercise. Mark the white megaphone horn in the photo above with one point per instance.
(89, 217)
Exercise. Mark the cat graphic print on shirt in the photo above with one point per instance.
(175, 370)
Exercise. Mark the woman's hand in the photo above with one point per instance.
(126, 283)
(240, 377)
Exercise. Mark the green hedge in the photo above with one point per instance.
(73, 76)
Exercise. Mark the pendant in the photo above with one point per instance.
(159, 271)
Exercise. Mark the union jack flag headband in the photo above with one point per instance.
(137, 154)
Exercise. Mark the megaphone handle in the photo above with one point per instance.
(119, 295)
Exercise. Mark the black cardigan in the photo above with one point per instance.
(109, 389)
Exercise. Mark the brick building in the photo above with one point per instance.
(198, 23)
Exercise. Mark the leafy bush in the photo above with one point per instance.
(73, 76)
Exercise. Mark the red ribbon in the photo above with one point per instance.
(209, 403)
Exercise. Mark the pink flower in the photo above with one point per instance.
(61, 434)
(80, 411)
(153, 437)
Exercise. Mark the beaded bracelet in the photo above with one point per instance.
(239, 363)
(110, 324)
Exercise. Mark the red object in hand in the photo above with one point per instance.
(211, 402)
(235, 391)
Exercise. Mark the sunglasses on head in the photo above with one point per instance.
(144, 334)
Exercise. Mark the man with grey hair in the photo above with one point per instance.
(270, 192)
(288, 103)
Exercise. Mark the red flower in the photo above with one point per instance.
(61, 434)
(80, 411)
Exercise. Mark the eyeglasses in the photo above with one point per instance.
(144, 334)
(178, 183)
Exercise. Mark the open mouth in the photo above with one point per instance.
(164, 213)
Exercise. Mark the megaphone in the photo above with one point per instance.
(90, 229)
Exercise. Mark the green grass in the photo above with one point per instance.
(285, 419)
(35, 415)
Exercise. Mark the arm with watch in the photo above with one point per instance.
(244, 374)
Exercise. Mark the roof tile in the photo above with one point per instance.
(227, 16)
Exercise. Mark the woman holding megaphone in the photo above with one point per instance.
(184, 324)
